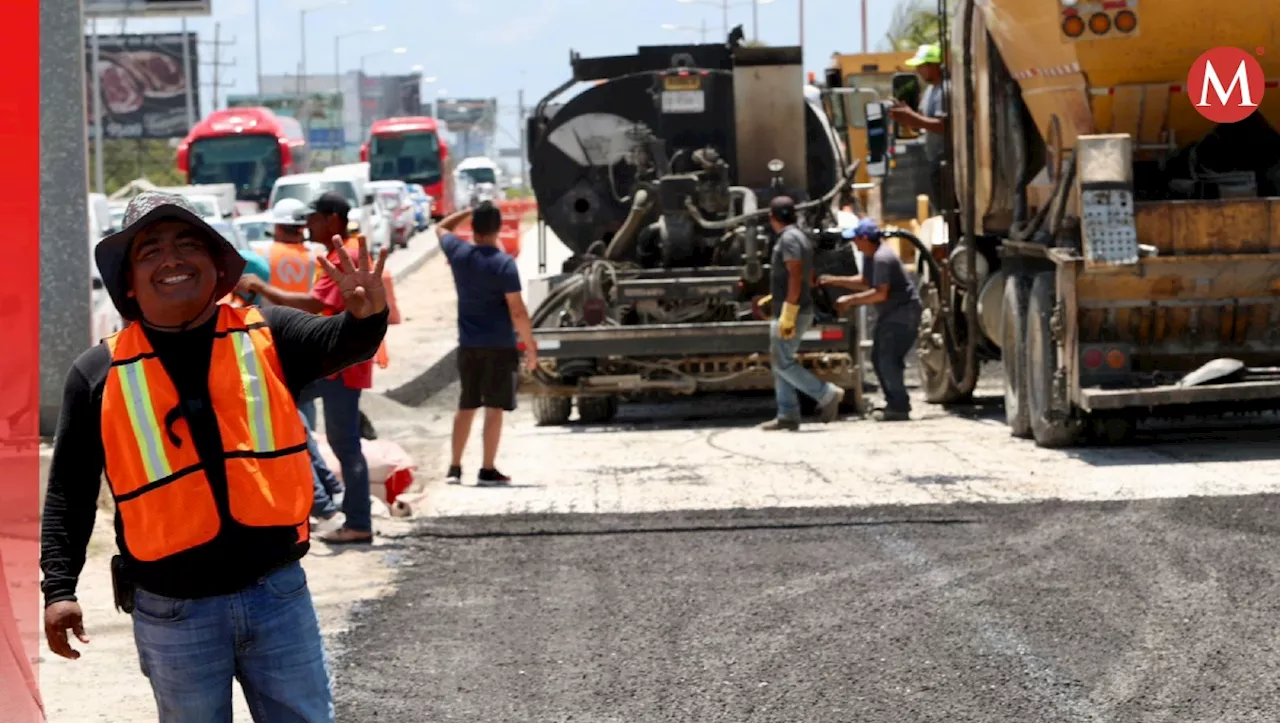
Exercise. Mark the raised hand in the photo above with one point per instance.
(361, 286)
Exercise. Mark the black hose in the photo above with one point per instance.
(642, 202)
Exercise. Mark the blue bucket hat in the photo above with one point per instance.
(867, 228)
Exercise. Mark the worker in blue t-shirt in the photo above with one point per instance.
(491, 313)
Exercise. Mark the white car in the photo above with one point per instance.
(365, 214)
(104, 320)
(254, 228)
(392, 197)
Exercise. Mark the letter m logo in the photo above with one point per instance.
(1221, 105)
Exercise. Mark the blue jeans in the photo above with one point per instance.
(267, 636)
(789, 377)
(323, 480)
(891, 341)
(342, 429)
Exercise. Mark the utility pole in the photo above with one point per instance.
(186, 71)
(522, 126)
(217, 63)
(257, 43)
(864, 26)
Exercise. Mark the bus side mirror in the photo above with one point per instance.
(364, 153)
(877, 138)
(184, 158)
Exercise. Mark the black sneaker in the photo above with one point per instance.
(455, 475)
(492, 478)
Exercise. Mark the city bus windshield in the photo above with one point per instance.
(251, 162)
(409, 157)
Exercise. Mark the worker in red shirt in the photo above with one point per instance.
(340, 394)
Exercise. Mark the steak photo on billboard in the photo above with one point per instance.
(143, 85)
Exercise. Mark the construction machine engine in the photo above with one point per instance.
(660, 172)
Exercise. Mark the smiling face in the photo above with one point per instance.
(172, 275)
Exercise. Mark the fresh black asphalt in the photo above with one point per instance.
(1126, 611)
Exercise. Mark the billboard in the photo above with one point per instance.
(143, 85)
(144, 8)
(470, 114)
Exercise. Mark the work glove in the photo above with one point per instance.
(787, 322)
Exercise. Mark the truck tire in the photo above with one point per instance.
(932, 361)
(597, 410)
(1013, 346)
(551, 411)
(1047, 426)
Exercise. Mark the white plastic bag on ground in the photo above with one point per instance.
(390, 467)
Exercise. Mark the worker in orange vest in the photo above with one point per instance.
(191, 413)
(294, 263)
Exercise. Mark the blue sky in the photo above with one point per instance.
(492, 48)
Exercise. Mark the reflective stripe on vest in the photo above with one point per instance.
(163, 495)
(293, 267)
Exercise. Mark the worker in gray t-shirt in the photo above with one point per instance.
(791, 294)
(884, 283)
(930, 118)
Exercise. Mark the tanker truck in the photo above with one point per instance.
(1115, 250)
(658, 179)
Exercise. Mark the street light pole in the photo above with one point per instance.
(724, 7)
(257, 43)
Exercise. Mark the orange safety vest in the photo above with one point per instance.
(157, 478)
(293, 267)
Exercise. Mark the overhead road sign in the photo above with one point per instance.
(146, 8)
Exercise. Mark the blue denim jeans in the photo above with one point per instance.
(789, 377)
(891, 340)
(267, 636)
(321, 478)
(342, 429)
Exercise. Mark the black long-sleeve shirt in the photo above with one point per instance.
(309, 347)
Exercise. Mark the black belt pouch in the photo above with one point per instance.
(121, 585)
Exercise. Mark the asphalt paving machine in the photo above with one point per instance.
(658, 178)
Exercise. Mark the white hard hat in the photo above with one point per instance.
(289, 212)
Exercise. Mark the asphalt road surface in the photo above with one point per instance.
(1131, 611)
(930, 571)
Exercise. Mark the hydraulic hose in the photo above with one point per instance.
(621, 242)
(935, 270)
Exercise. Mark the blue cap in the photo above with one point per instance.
(867, 228)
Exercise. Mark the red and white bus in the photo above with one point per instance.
(250, 147)
(411, 150)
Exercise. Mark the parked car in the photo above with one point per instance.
(104, 320)
(255, 228)
(422, 205)
(393, 198)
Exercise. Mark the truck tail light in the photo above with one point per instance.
(1097, 358)
(1116, 359)
(832, 334)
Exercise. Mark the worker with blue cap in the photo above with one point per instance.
(885, 285)
(929, 118)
